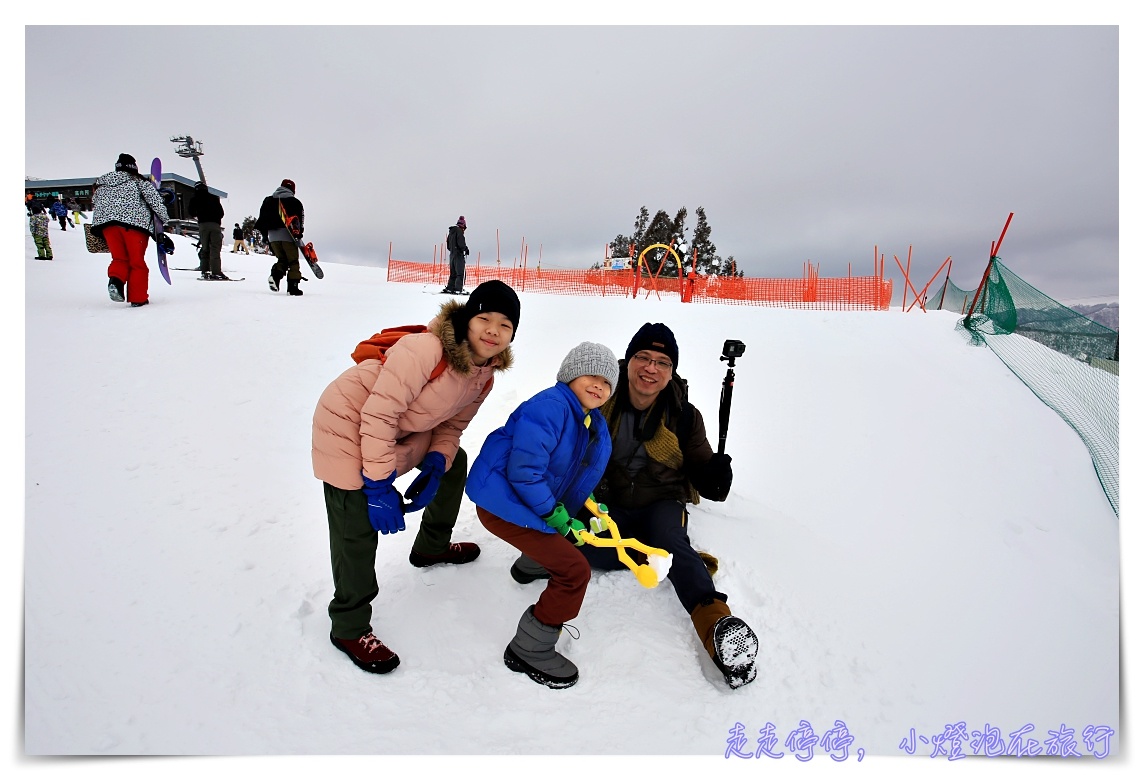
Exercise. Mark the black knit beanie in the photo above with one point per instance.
(493, 295)
(657, 337)
(126, 163)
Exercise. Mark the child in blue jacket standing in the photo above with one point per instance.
(530, 479)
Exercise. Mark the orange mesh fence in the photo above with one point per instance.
(811, 292)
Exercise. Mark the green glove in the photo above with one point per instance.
(558, 519)
(575, 528)
(568, 527)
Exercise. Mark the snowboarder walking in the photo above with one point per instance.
(278, 236)
(124, 207)
(60, 212)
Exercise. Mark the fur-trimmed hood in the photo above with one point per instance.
(460, 355)
(383, 418)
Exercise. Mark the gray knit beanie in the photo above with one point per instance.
(589, 359)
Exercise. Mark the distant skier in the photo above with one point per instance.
(458, 250)
(38, 224)
(206, 207)
(281, 243)
(76, 211)
(239, 240)
(60, 212)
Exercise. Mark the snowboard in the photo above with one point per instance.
(231, 279)
(157, 180)
(306, 249)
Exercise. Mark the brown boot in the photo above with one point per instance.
(729, 641)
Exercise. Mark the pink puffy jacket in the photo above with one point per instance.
(381, 417)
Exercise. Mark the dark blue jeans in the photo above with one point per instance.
(664, 525)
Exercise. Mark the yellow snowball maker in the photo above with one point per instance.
(647, 574)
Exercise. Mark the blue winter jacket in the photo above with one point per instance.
(544, 453)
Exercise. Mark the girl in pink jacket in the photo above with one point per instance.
(381, 418)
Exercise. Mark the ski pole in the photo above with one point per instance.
(732, 348)
(647, 574)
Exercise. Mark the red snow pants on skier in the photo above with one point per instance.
(128, 259)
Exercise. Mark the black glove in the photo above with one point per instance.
(713, 478)
(466, 251)
(165, 243)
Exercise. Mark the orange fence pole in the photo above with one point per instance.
(917, 296)
(909, 257)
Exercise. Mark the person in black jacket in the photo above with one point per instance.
(458, 250)
(281, 238)
(206, 207)
(239, 240)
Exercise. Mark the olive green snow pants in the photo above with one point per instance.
(353, 546)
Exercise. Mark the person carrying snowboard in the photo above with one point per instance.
(124, 205)
(458, 251)
(531, 477)
(278, 236)
(60, 212)
(382, 418)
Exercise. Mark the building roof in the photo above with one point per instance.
(82, 182)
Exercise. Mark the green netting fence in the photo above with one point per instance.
(1071, 362)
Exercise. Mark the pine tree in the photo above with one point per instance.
(707, 262)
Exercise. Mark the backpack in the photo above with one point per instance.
(451, 241)
(379, 343)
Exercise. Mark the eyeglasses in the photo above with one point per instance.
(644, 360)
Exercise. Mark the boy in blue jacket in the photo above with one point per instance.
(530, 479)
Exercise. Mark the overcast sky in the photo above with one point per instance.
(801, 143)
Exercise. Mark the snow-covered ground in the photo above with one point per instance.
(918, 541)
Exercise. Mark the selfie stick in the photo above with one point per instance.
(725, 399)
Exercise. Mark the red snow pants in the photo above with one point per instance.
(562, 597)
(128, 259)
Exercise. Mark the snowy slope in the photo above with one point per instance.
(916, 539)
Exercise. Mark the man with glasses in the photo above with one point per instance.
(661, 461)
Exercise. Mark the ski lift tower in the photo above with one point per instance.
(190, 148)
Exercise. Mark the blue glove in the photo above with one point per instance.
(421, 492)
(384, 504)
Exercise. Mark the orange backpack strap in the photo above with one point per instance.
(379, 343)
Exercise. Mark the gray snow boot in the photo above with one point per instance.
(533, 652)
(525, 570)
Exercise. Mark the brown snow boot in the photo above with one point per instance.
(729, 641)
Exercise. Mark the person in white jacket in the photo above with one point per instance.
(124, 207)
